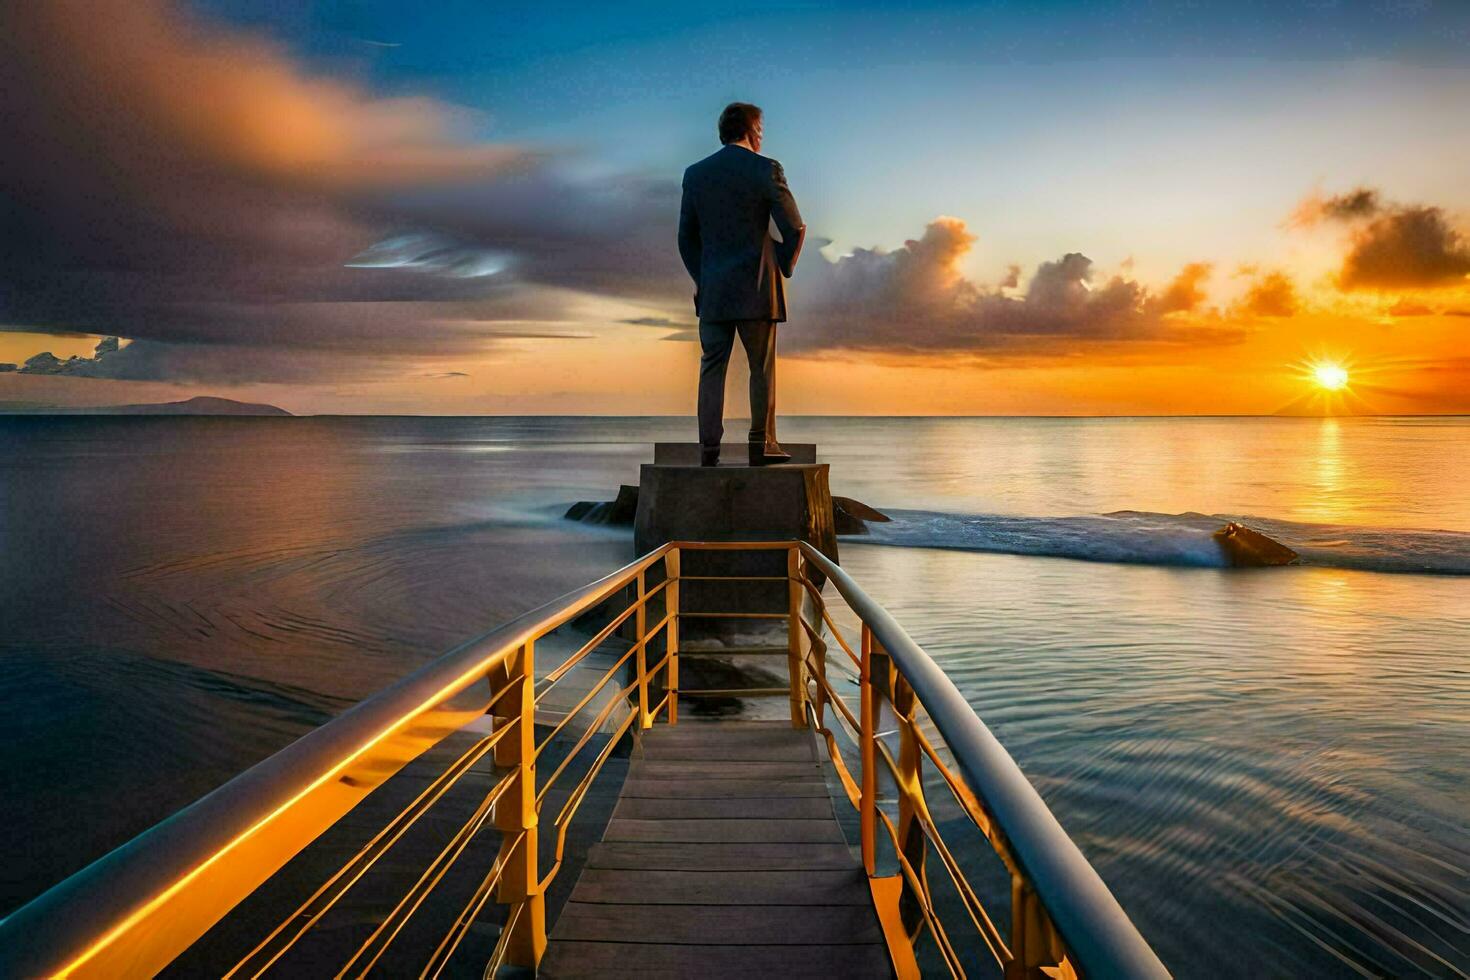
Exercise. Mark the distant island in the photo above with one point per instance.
(202, 405)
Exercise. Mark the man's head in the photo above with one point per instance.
(741, 123)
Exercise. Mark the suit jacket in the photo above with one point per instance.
(730, 199)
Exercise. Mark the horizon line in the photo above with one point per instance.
(85, 410)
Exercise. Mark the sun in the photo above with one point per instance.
(1332, 377)
(1334, 381)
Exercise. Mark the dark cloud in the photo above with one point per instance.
(915, 300)
(683, 330)
(239, 218)
(655, 321)
(373, 356)
(196, 190)
(1408, 248)
(612, 236)
(1358, 203)
(1361, 202)
(1392, 246)
(146, 360)
(1273, 294)
(105, 355)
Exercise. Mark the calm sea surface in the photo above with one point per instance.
(1270, 768)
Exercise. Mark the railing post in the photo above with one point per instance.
(818, 690)
(671, 632)
(1036, 947)
(506, 712)
(868, 722)
(911, 789)
(515, 818)
(794, 663)
(640, 619)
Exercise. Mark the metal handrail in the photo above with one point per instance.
(134, 910)
(1096, 930)
(192, 868)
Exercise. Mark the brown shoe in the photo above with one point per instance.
(768, 453)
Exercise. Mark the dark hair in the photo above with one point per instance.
(738, 121)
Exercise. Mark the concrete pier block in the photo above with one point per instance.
(731, 453)
(734, 503)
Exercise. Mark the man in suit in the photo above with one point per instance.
(730, 200)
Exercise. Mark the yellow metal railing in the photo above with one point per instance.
(898, 684)
(887, 700)
(135, 910)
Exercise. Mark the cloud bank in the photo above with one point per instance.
(916, 300)
(241, 218)
(1391, 246)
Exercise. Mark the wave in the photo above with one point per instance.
(1139, 537)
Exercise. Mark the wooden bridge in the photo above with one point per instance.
(811, 845)
(723, 857)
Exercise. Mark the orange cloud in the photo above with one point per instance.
(1185, 292)
(153, 82)
(1392, 246)
(1273, 294)
(1409, 248)
(916, 301)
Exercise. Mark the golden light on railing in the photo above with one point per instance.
(887, 726)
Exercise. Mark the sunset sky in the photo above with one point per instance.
(463, 208)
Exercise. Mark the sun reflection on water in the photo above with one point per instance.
(1328, 490)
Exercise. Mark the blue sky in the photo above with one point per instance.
(1047, 126)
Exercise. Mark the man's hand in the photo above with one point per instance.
(788, 221)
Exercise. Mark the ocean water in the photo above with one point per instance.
(1269, 767)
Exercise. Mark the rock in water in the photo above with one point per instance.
(581, 509)
(620, 511)
(851, 516)
(1244, 548)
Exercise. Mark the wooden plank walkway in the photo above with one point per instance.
(723, 856)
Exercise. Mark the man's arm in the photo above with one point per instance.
(689, 244)
(788, 221)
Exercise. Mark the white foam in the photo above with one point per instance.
(1174, 539)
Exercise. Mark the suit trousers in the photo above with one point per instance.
(718, 339)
